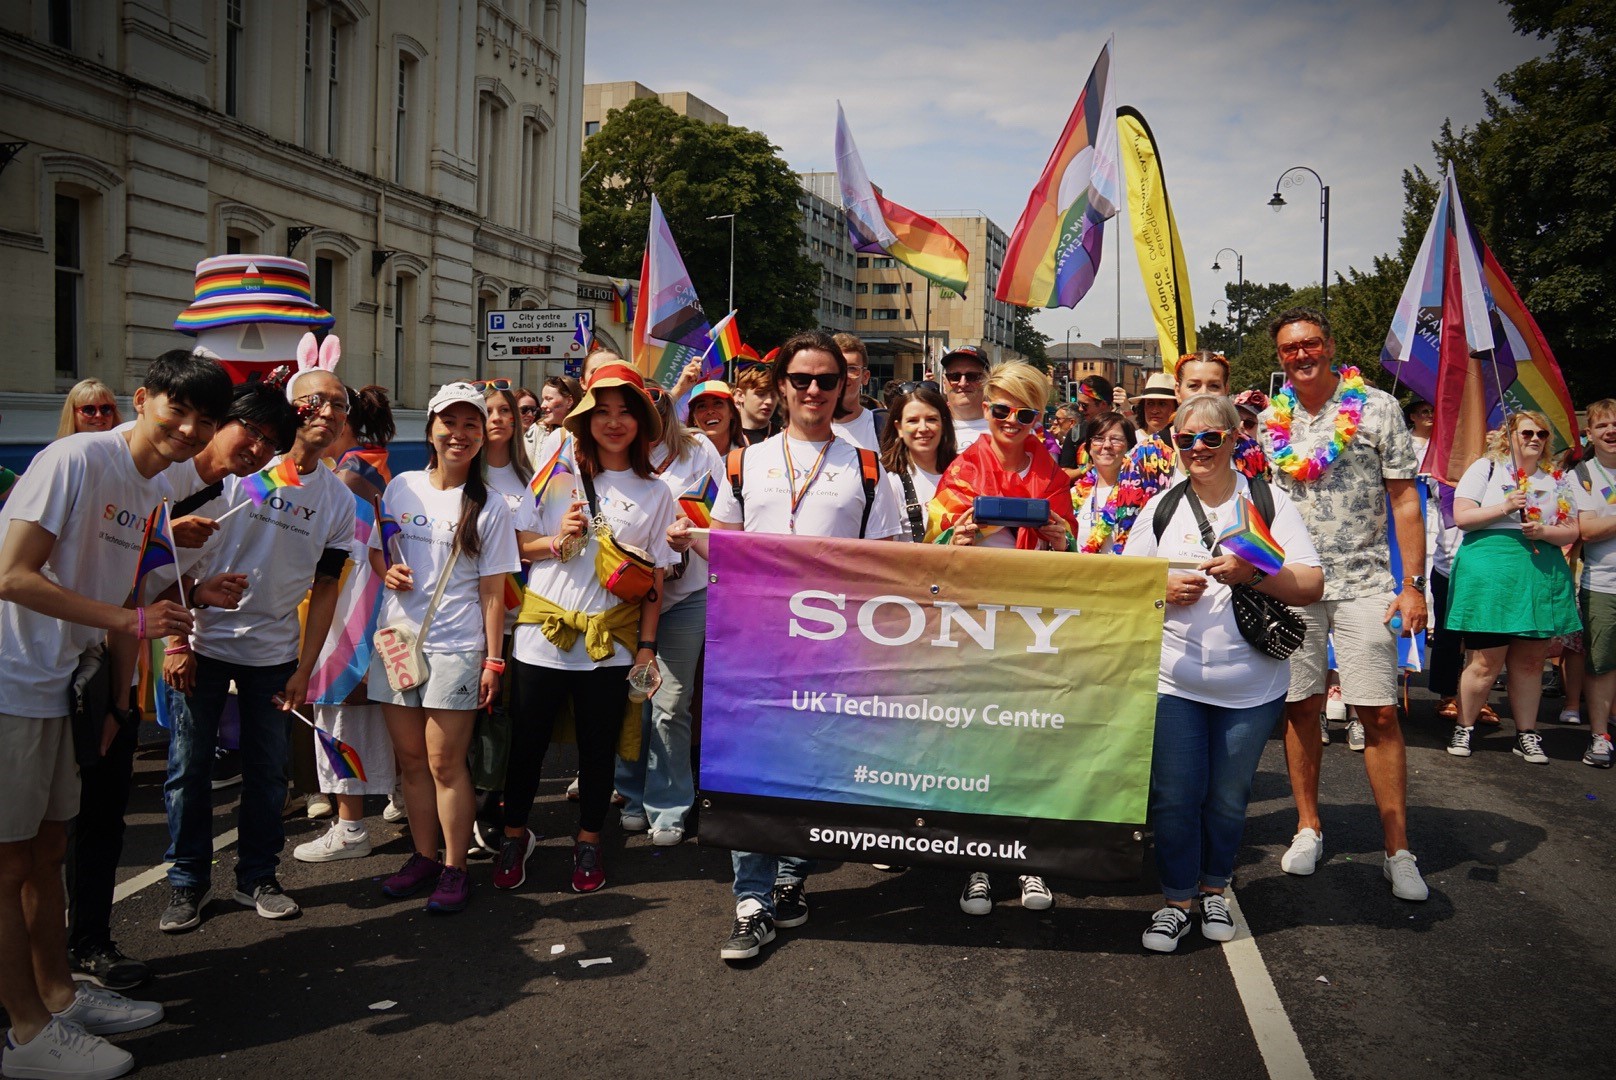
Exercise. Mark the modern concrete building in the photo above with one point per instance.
(599, 99)
(826, 243)
(422, 158)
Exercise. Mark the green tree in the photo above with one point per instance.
(1030, 341)
(698, 170)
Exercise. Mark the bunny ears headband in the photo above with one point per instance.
(314, 356)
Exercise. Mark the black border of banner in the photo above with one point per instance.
(1088, 850)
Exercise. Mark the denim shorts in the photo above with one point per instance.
(451, 682)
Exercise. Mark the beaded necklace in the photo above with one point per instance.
(1349, 414)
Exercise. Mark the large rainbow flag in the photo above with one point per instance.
(1538, 384)
(670, 329)
(1054, 251)
(878, 224)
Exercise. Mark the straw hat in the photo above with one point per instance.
(609, 375)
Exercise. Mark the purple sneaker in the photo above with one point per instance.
(419, 871)
(452, 894)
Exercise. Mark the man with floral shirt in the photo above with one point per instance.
(1339, 448)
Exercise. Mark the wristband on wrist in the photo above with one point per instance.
(175, 650)
(646, 645)
(555, 549)
(494, 664)
(140, 623)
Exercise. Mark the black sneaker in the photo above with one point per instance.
(268, 899)
(184, 911)
(790, 905)
(226, 768)
(1167, 926)
(101, 963)
(750, 933)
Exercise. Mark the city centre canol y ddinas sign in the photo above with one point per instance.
(905, 703)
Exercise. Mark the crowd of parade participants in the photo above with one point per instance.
(604, 645)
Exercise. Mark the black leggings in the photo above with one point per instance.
(599, 699)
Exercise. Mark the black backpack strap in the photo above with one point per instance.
(1262, 497)
(197, 499)
(870, 471)
(732, 468)
(1168, 507)
(911, 499)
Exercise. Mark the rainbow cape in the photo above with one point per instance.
(1054, 251)
(877, 224)
(1248, 537)
(697, 503)
(156, 548)
(977, 471)
(260, 485)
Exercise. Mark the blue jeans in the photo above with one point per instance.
(756, 875)
(660, 784)
(188, 792)
(1200, 782)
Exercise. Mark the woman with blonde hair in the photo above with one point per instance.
(1511, 592)
(90, 406)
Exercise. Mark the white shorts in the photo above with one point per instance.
(38, 774)
(1365, 651)
(451, 682)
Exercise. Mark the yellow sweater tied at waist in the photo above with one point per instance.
(619, 625)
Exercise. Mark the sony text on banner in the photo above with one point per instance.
(912, 703)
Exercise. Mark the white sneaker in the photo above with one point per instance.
(1570, 716)
(66, 1050)
(395, 808)
(1401, 870)
(1355, 736)
(1035, 895)
(1529, 747)
(319, 805)
(1302, 857)
(335, 844)
(977, 899)
(1335, 706)
(634, 822)
(103, 1012)
(667, 837)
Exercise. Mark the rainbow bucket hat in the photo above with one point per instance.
(233, 289)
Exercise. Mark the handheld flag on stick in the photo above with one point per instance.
(727, 336)
(1156, 241)
(260, 485)
(343, 758)
(156, 550)
(1249, 538)
(1054, 251)
(669, 327)
(560, 464)
(878, 224)
(622, 301)
(697, 503)
(390, 530)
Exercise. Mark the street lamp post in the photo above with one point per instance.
(1278, 203)
(721, 217)
(1066, 395)
(1240, 294)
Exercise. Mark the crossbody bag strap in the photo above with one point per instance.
(437, 596)
(911, 498)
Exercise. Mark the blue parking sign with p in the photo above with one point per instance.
(496, 322)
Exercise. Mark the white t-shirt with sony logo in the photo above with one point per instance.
(832, 504)
(84, 490)
(428, 520)
(277, 544)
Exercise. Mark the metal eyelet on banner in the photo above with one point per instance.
(712, 579)
(920, 823)
(707, 804)
(1137, 835)
(1160, 604)
(935, 589)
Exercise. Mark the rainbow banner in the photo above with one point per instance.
(344, 658)
(877, 224)
(978, 708)
(1054, 251)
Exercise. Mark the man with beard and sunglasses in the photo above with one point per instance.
(804, 481)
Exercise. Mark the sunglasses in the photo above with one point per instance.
(969, 377)
(1185, 440)
(529, 410)
(911, 387)
(655, 392)
(1297, 348)
(491, 384)
(1531, 436)
(800, 380)
(91, 411)
(1023, 417)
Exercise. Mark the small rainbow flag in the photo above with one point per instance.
(622, 301)
(156, 547)
(390, 530)
(727, 336)
(1247, 536)
(560, 464)
(260, 485)
(344, 760)
(697, 503)
(515, 588)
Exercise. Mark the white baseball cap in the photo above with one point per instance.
(449, 393)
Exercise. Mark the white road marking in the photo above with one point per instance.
(158, 873)
(1276, 1037)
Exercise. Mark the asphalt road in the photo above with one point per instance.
(1500, 974)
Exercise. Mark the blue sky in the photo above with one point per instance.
(956, 106)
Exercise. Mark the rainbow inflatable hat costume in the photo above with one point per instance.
(249, 312)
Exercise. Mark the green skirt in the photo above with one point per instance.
(1504, 583)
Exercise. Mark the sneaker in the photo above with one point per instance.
(487, 836)
(184, 910)
(102, 1012)
(66, 1050)
(1459, 741)
(1355, 736)
(338, 842)
(1335, 706)
(452, 894)
(1570, 716)
(1487, 716)
(1553, 684)
(1167, 926)
(790, 904)
(1302, 857)
(1401, 870)
(319, 805)
(1448, 709)
(1324, 729)
(1529, 747)
(588, 871)
(268, 900)
(1217, 924)
(667, 837)
(395, 811)
(572, 790)
(1598, 754)
(632, 822)
(417, 872)
(100, 963)
(510, 871)
(753, 929)
(226, 768)
(1035, 895)
(977, 899)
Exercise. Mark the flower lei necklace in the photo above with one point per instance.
(1101, 533)
(1349, 413)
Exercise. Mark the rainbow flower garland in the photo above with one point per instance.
(1349, 414)
(1102, 534)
